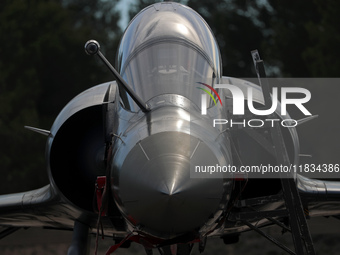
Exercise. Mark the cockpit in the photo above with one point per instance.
(168, 50)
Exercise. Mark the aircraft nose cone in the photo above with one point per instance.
(155, 188)
(169, 174)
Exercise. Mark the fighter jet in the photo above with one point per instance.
(128, 158)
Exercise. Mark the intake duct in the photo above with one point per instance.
(77, 156)
(76, 146)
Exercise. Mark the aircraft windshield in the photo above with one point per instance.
(166, 49)
(168, 68)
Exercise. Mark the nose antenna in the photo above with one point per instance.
(92, 47)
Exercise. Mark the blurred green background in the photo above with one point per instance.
(43, 66)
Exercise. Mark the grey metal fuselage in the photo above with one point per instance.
(153, 155)
(165, 51)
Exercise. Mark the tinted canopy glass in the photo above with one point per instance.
(167, 49)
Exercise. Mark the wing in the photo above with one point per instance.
(45, 207)
(72, 167)
(264, 202)
(41, 207)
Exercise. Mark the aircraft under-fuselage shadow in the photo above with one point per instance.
(120, 154)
